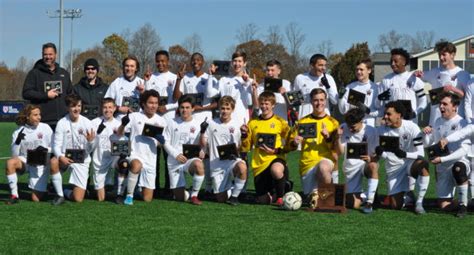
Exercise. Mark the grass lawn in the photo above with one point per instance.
(164, 226)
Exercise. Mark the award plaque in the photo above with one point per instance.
(197, 98)
(191, 150)
(408, 110)
(435, 150)
(355, 97)
(331, 198)
(57, 85)
(268, 139)
(119, 148)
(163, 100)
(227, 151)
(223, 67)
(37, 157)
(434, 95)
(76, 155)
(307, 130)
(90, 111)
(294, 98)
(152, 131)
(132, 103)
(389, 143)
(355, 150)
(272, 84)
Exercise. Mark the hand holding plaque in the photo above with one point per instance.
(272, 84)
(132, 103)
(222, 67)
(355, 97)
(307, 130)
(119, 148)
(57, 85)
(227, 151)
(389, 143)
(37, 157)
(435, 150)
(435, 95)
(294, 98)
(191, 150)
(76, 155)
(356, 150)
(152, 131)
(268, 139)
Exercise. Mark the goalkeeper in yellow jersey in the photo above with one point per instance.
(316, 133)
(267, 133)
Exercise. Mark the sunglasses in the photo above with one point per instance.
(90, 68)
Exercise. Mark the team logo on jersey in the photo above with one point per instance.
(40, 135)
(170, 83)
(139, 123)
(454, 78)
(193, 129)
(453, 127)
(81, 131)
(176, 130)
(364, 138)
(272, 125)
(231, 130)
(405, 136)
(369, 92)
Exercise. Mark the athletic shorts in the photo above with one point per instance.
(397, 180)
(222, 178)
(309, 179)
(445, 182)
(177, 174)
(264, 182)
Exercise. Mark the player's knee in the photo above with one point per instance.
(11, 166)
(420, 167)
(460, 173)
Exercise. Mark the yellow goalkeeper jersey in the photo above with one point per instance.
(274, 125)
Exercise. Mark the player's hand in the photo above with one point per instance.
(181, 72)
(125, 120)
(147, 74)
(384, 96)
(267, 149)
(20, 137)
(339, 132)
(181, 158)
(204, 126)
(101, 127)
(162, 109)
(245, 76)
(254, 84)
(244, 129)
(365, 158)
(443, 142)
(436, 160)
(90, 135)
(298, 140)
(213, 69)
(140, 87)
(160, 139)
(324, 131)
(400, 153)
(282, 90)
(324, 81)
(427, 130)
(65, 161)
(53, 93)
(419, 73)
(124, 109)
(202, 154)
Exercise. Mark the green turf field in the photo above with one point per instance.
(164, 226)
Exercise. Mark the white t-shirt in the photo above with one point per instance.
(238, 89)
(177, 133)
(72, 135)
(405, 86)
(164, 84)
(218, 133)
(192, 84)
(305, 83)
(439, 77)
(101, 156)
(367, 134)
(121, 88)
(281, 108)
(41, 135)
(370, 90)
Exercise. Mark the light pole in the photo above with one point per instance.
(68, 14)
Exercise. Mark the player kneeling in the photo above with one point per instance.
(31, 137)
(357, 141)
(145, 138)
(182, 133)
(222, 135)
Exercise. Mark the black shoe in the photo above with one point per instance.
(119, 200)
(462, 211)
(58, 200)
(12, 200)
(233, 201)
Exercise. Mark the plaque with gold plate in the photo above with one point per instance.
(294, 98)
(435, 150)
(389, 143)
(76, 155)
(268, 139)
(223, 67)
(132, 103)
(37, 157)
(57, 85)
(331, 198)
(355, 97)
(191, 150)
(119, 148)
(227, 151)
(90, 111)
(408, 115)
(434, 95)
(355, 150)
(272, 84)
(307, 130)
(152, 131)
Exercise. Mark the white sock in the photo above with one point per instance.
(120, 186)
(57, 181)
(13, 183)
(68, 194)
(462, 194)
(238, 186)
(423, 182)
(371, 189)
(132, 180)
(335, 177)
(411, 183)
(471, 182)
(197, 182)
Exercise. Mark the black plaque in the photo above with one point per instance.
(227, 151)
(307, 130)
(268, 139)
(37, 157)
(76, 155)
(355, 97)
(119, 148)
(435, 150)
(57, 85)
(197, 98)
(272, 84)
(355, 150)
(131, 102)
(294, 98)
(434, 95)
(191, 150)
(90, 111)
(152, 131)
(223, 67)
(389, 143)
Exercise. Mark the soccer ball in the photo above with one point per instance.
(292, 201)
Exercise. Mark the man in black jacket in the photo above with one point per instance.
(91, 89)
(47, 86)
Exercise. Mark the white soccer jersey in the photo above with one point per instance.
(439, 77)
(411, 141)
(281, 108)
(238, 89)
(72, 135)
(102, 158)
(370, 90)
(164, 83)
(177, 133)
(305, 83)
(41, 135)
(367, 134)
(458, 150)
(468, 103)
(219, 133)
(194, 84)
(121, 88)
(405, 86)
(143, 147)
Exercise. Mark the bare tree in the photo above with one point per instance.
(144, 43)
(274, 35)
(295, 38)
(193, 43)
(247, 33)
(325, 48)
(422, 40)
(392, 40)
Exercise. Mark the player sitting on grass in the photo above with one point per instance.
(355, 131)
(317, 160)
(222, 131)
(30, 135)
(267, 133)
(181, 131)
(73, 139)
(405, 160)
(143, 146)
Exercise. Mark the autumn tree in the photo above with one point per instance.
(115, 49)
(344, 71)
(178, 57)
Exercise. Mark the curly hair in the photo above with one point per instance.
(23, 115)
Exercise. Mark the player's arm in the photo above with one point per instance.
(463, 133)
(418, 144)
(212, 86)
(459, 153)
(421, 101)
(428, 138)
(178, 87)
(468, 101)
(246, 137)
(339, 146)
(344, 106)
(124, 122)
(332, 91)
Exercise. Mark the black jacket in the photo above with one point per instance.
(90, 94)
(34, 91)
